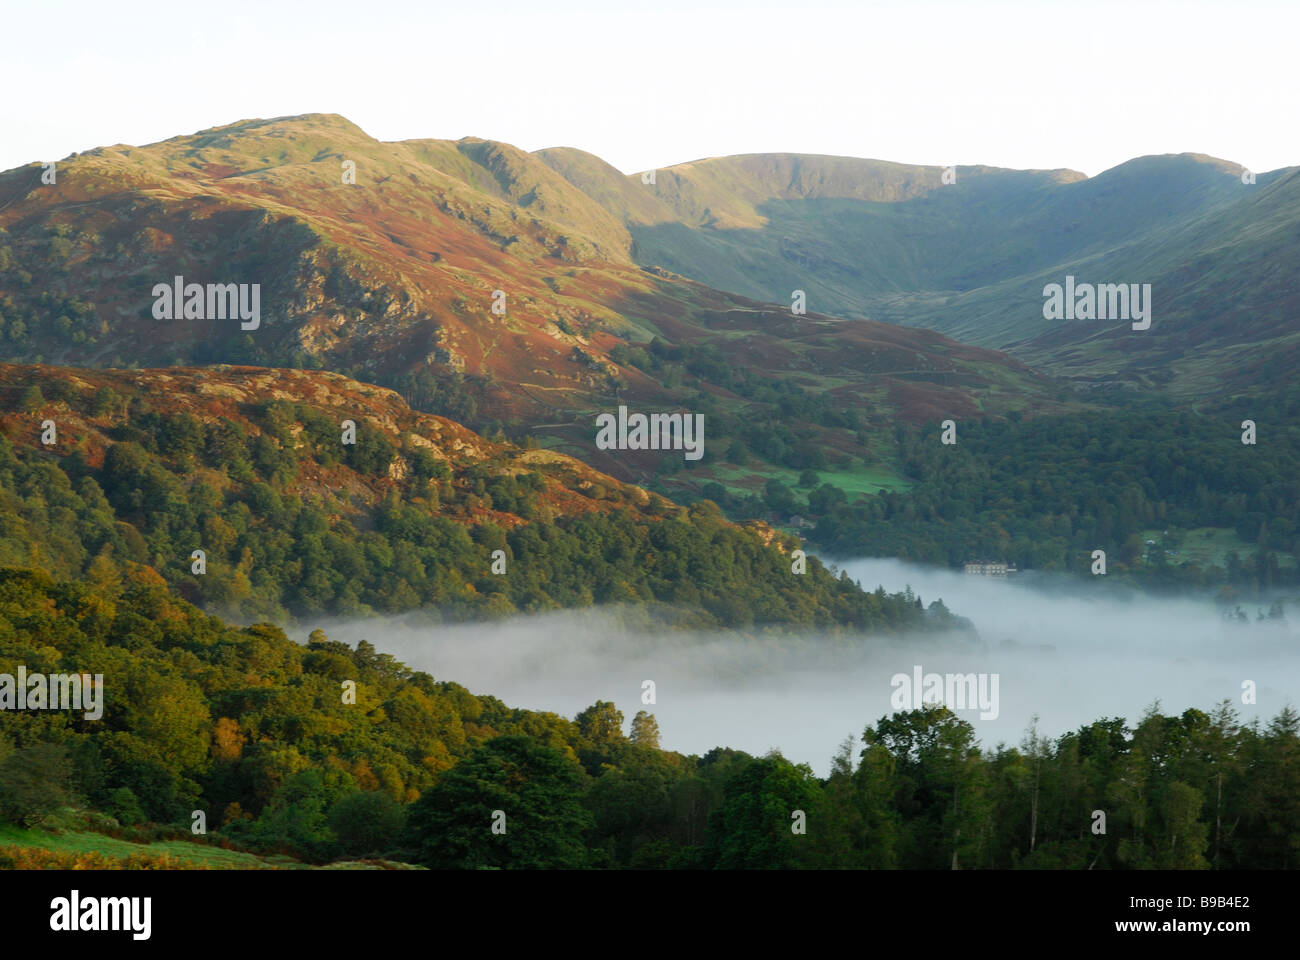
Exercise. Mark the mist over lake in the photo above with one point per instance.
(1071, 651)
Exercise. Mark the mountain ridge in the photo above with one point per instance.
(398, 279)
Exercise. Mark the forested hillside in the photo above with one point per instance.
(250, 468)
(257, 733)
(1045, 492)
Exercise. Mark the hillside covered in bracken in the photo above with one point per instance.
(249, 466)
(469, 275)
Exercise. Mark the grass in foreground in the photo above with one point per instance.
(23, 848)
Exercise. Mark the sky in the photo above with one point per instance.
(1049, 84)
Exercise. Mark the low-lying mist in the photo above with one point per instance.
(1070, 651)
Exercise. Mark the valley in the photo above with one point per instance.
(566, 476)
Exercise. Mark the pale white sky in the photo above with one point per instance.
(1055, 83)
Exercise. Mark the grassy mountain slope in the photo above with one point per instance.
(392, 280)
(867, 238)
(1225, 302)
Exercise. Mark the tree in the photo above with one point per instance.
(31, 400)
(839, 819)
(35, 781)
(778, 496)
(1037, 750)
(124, 468)
(634, 810)
(1279, 774)
(105, 400)
(367, 822)
(1216, 741)
(1131, 550)
(645, 730)
(940, 785)
(536, 788)
(1183, 847)
(752, 829)
(875, 785)
(714, 491)
(601, 727)
(123, 804)
(171, 713)
(295, 817)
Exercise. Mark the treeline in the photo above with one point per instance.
(257, 733)
(1044, 493)
(172, 484)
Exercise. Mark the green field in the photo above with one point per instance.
(1205, 546)
(859, 481)
(84, 841)
(199, 854)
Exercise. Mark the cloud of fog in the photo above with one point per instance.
(1067, 650)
